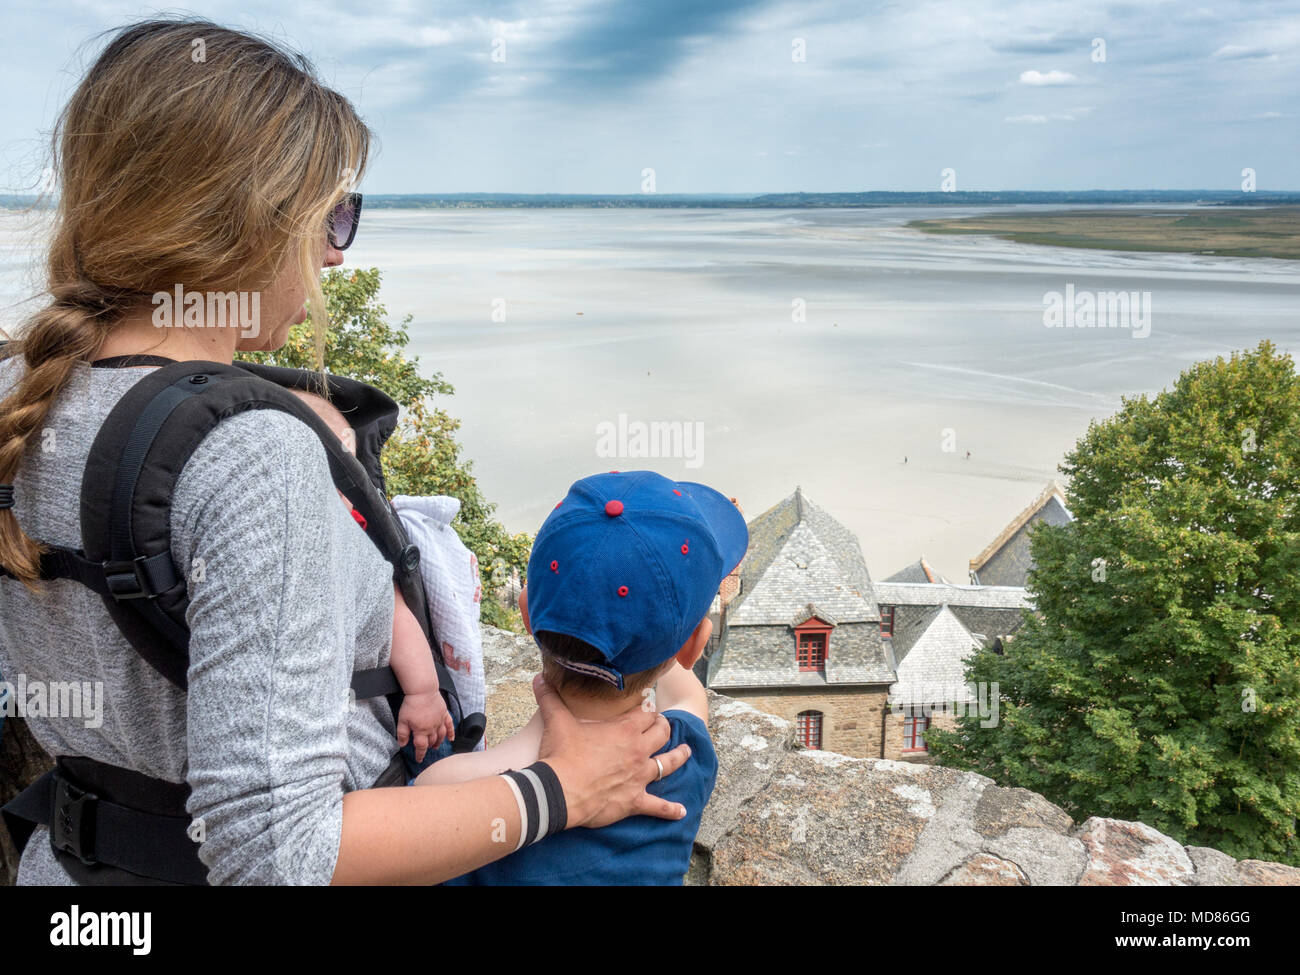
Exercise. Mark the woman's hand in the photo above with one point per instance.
(604, 766)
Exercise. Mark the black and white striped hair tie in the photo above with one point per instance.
(542, 811)
(6, 496)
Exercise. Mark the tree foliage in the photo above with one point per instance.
(1159, 680)
(422, 456)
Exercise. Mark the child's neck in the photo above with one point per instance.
(600, 709)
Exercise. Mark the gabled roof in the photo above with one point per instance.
(798, 554)
(931, 668)
(801, 563)
(989, 597)
(1049, 506)
(813, 611)
(920, 572)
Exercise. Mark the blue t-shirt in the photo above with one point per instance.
(638, 850)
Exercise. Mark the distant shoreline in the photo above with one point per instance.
(1273, 232)
(789, 201)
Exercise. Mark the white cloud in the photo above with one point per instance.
(1072, 115)
(1048, 78)
(1235, 52)
(433, 36)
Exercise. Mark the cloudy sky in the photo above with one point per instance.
(747, 96)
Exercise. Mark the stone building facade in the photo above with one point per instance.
(801, 638)
(860, 667)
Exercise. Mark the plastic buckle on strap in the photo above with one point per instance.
(126, 580)
(72, 826)
(408, 559)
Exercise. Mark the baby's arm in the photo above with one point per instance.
(680, 690)
(423, 716)
(517, 752)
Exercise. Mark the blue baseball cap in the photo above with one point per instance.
(629, 562)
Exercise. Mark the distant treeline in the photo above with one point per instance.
(872, 198)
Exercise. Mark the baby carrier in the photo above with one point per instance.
(114, 825)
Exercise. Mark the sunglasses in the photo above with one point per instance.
(343, 222)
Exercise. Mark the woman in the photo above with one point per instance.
(196, 156)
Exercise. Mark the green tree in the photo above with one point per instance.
(1159, 680)
(422, 456)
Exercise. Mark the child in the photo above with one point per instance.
(620, 581)
(423, 722)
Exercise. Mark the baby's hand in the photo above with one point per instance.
(425, 720)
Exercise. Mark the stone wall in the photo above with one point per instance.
(852, 718)
(782, 814)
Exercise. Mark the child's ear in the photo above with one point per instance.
(694, 646)
(523, 609)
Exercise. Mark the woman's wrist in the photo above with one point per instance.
(575, 787)
(540, 798)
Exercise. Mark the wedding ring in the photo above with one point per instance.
(661, 770)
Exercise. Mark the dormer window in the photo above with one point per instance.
(812, 642)
(812, 651)
(886, 621)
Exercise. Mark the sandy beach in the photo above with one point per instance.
(552, 323)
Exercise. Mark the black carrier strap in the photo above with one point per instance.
(126, 519)
(112, 825)
(147, 439)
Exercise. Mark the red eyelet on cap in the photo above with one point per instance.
(622, 590)
(558, 503)
(555, 566)
(613, 508)
(677, 492)
(685, 548)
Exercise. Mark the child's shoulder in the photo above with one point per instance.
(690, 729)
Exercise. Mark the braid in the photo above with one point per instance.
(56, 338)
(158, 188)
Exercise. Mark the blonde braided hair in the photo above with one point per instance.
(211, 172)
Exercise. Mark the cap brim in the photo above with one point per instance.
(725, 519)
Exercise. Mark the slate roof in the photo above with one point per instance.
(935, 594)
(1006, 561)
(987, 612)
(798, 554)
(801, 562)
(729, 677)
(931, 668)
(920, 572)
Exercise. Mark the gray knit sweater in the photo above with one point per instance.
(292, 598)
